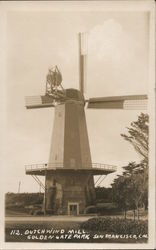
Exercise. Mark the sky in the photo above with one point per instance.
(117, 64)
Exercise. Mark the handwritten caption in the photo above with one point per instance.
(71, 234)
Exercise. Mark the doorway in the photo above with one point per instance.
(73, 208)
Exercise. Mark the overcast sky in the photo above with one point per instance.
(117, 64)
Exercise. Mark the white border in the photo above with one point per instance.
(146, 5)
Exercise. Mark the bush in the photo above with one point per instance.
(38, 212)
(116, 226)
(103, 209)
(23, 198)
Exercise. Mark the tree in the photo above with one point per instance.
(121, 194)
(103, 194)
(131, 189)
(138, 135)
(137, 185)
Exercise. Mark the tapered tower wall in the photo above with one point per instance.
(83, 137)
(70, 145)
(76, 144)
(57, 141)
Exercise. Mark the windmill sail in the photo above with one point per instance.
(32, 102)
(82, 60)
(130, 102)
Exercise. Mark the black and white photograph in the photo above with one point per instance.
(78, 124)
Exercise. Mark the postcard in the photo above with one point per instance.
(78, 124)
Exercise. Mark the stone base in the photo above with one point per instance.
(69, 193)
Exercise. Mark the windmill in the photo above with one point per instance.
(69, 184)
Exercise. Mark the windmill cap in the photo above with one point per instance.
(74, 94)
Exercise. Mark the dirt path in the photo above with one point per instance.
(47, 218)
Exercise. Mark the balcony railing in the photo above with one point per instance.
(59, 165)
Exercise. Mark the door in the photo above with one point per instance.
(73, 209)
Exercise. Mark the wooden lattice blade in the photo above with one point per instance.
(32, 102)
(131, 102)
(82, 61)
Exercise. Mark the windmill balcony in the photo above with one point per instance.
(44, 168)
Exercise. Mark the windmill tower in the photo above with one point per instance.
(69, 183)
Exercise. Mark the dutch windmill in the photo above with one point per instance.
(69, 184)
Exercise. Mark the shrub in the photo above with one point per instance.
(103, 209)
(116, 226)
(38, 212)
(23, 198)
